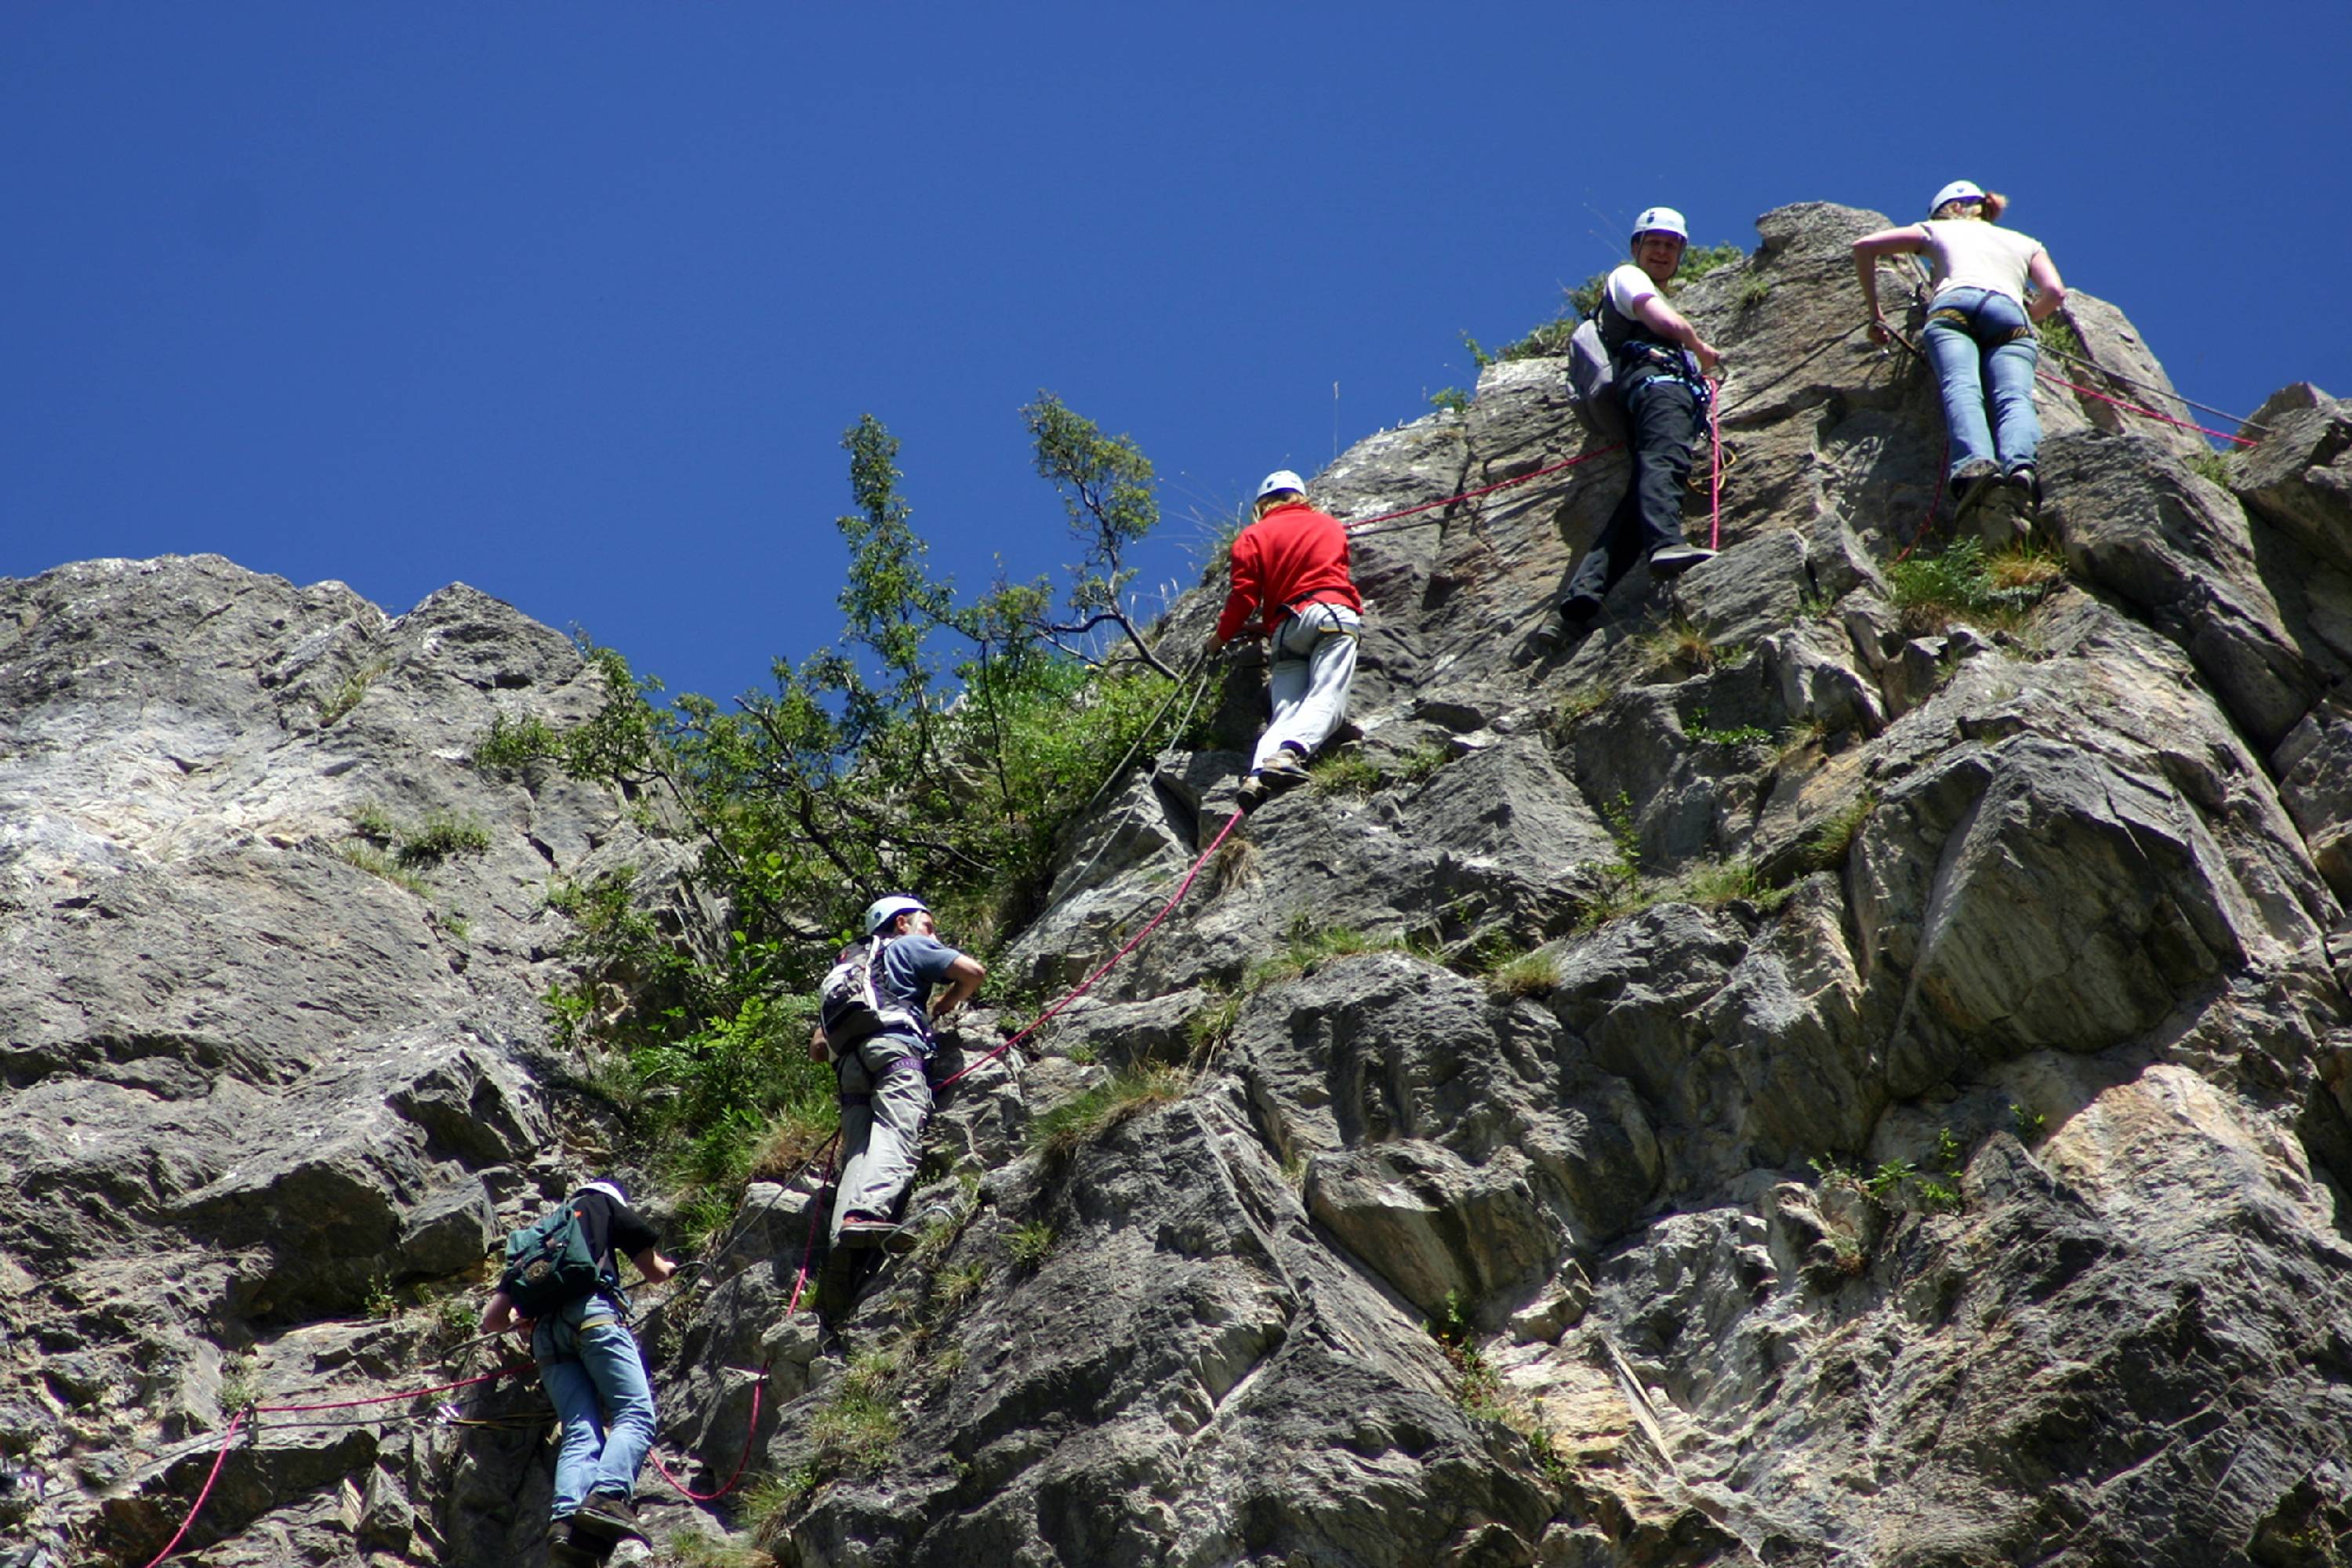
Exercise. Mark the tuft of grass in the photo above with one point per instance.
(1308, 949)
(1525, 974)
(1422, 760)
(1961, 582)
(2059, 337)
(241, 1382)
(1679, 645)
(695, 1547)
(1721, 882)
(1834, 836)
(1583, 700)
(793, 1138)
(346, 697)
(440, 837)
(1211, 1023)
(374, 861)
(858, 1433)
(1451, 399)
(1346, 773)
(1804, 735)
(1698, 729)
(1028, 1244)
(954, 1286)
(1753, 290)
(1235, 866)
(2211, 465)
(1699, 260)
(1090, 1113)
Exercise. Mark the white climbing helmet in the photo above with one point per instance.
(889, 908)
(1958, 191)
(1280, 481)
(1662, 220)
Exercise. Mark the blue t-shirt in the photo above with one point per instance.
(909, 969)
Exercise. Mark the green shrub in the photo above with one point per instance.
(2059, 338)
(2211, 465)
(1450, 400)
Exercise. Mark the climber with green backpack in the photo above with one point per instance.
(560, 1289)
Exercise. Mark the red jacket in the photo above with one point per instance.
(1292, 555)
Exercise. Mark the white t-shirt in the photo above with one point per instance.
(1969, 253)
(1629, 286)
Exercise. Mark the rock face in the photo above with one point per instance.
(1777, 1082)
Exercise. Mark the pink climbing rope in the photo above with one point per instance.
(1133, 943)
(1366, 525)
(2149, 413)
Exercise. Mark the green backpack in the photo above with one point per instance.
(547, 1264)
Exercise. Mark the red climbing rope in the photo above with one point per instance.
(1132, 942)
(2151, 413)
(219, 1459)
(1366, 525)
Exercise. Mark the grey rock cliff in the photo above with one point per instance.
(1934, 1160)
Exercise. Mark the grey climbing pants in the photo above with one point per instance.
(886, 1100)
(1314, 664)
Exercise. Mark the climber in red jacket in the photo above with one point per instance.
(1291, 583)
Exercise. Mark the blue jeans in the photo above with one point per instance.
(1983, 348)
(597, 1380)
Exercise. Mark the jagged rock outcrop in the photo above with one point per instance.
(1908, 1130)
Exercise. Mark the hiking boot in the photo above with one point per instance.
(1971, 483)
(1287, 771)
(1670, 561)
(2027, 485)
(1566, 625)
(565, 1552)
(863, 1230)
(605, 1518)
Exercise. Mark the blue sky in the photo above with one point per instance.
(573, 302)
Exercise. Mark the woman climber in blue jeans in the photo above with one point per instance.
(1980, 338)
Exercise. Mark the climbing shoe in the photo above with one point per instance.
(1670, 561)
(1250, 795)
